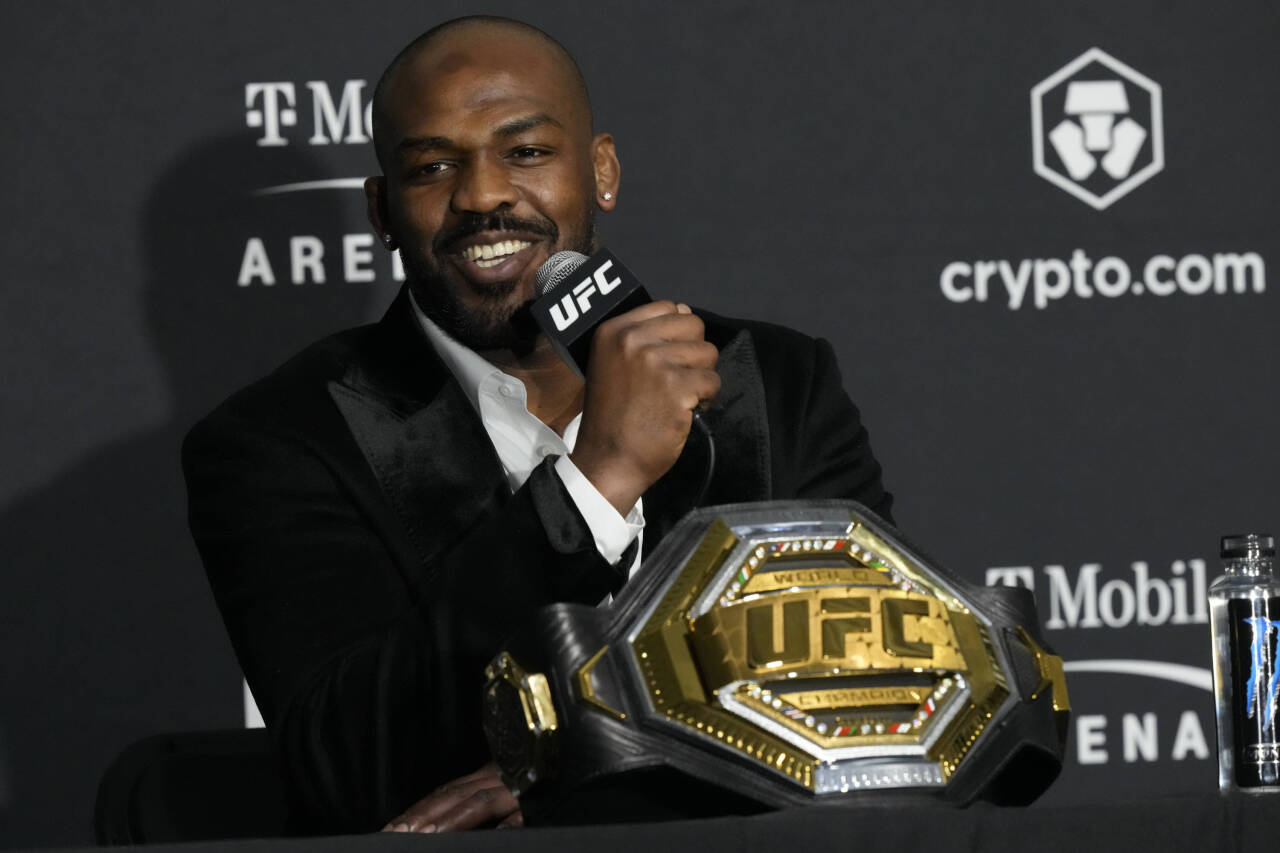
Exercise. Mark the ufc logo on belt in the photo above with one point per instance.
(872, 631)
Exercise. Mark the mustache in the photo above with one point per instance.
(475, 223)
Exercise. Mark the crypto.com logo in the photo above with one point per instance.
(1096, 128)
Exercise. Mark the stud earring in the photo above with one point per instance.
(386, 238)
(607, 196)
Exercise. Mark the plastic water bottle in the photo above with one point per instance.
(1244, 613)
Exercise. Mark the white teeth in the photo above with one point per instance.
(494, 251)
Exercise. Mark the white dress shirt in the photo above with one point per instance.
(522, 441)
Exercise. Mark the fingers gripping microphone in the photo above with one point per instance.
(576, 294)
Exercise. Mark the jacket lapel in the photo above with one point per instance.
(419, 433)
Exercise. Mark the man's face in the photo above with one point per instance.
(490, 170)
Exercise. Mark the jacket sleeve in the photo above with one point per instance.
(368, 674)
(820, 447)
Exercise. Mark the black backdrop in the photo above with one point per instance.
(862, 171)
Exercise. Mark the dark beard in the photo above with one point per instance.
(496, 324)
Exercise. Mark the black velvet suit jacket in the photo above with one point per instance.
(369, 558)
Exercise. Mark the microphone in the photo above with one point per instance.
(576, 294)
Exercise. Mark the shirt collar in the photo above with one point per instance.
(463, 362)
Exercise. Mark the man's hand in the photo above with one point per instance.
(465, 803)
(649, 369)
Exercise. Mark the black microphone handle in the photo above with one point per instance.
(570, 322)
(581, 351)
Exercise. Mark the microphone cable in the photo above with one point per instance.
(711, 458)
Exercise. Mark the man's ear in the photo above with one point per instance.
(375, 194)
(608, 171)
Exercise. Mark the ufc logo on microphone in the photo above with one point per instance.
(577, 302)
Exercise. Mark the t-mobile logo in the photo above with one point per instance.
(1102, 122)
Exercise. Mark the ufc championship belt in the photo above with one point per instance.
(772, 655)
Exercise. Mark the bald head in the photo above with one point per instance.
(429, 59)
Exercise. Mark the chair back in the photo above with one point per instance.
(192, 786)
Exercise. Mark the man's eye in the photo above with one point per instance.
(528, 152)
(429, 170)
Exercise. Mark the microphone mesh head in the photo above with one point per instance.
(557, 268)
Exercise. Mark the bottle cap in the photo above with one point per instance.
(1248, 546)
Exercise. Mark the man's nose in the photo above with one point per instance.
(483, 186)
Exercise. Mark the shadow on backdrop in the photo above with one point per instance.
(110, 630)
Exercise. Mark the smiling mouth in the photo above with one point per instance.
(489, 255)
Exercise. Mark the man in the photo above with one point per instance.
(380, 513)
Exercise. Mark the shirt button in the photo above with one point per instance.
(546, 450)
(506, 391)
